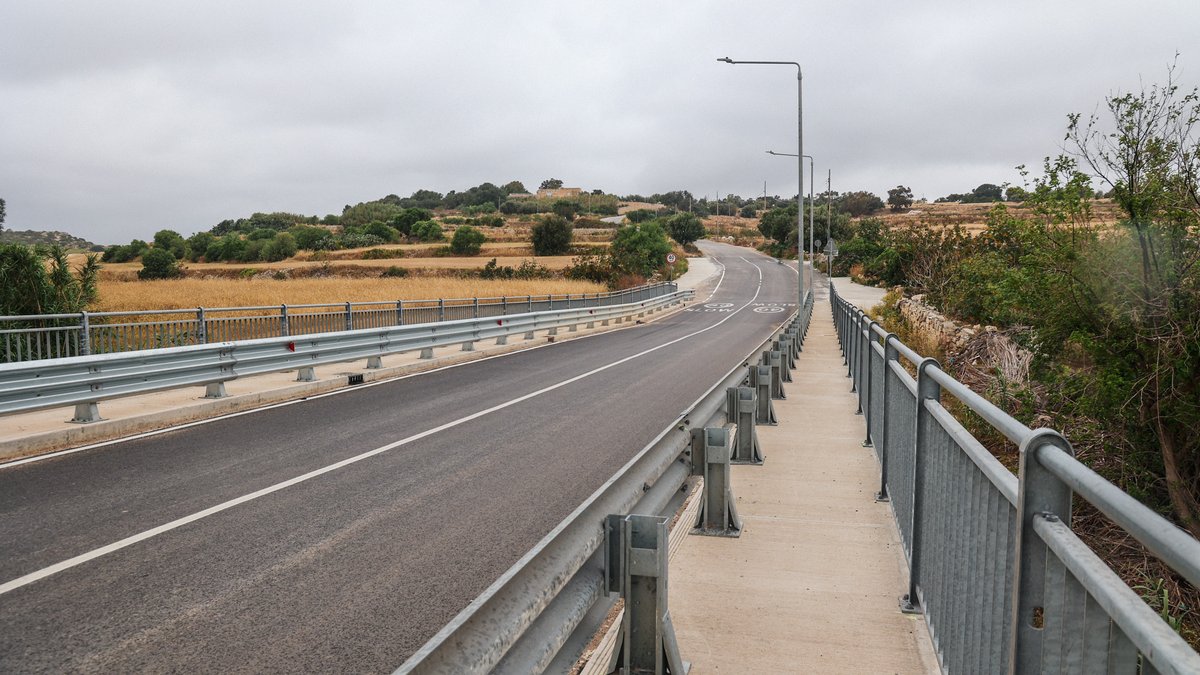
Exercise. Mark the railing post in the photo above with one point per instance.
(441, 309)
(399, 312)
(890, 355)
(475, 303)
(636, 549)
(504, 305)
(529, 303)
(349, 318)
(85, 334)
(202, 329)
(711, 455)
(864, 392)
(927, 390)
(1040, 495)
(284, 328)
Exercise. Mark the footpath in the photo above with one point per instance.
(812, 585)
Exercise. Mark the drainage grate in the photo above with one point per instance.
(355, 379)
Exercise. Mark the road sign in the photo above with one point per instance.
(670, 258)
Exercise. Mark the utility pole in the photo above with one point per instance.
(828, 218)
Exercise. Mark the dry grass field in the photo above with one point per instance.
(118, 296)
(973, 217)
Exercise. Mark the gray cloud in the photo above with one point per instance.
(122, 118)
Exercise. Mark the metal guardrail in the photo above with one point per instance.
(557, 592)
(1002, 581)
(83, 381)
(51, 336)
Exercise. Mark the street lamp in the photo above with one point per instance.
(799, 160)
(813, 198)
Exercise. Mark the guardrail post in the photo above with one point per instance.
(760, 381)
(1040, 494)
(890, 355)
(284, 329)
(636, 548)
(202, 326)
(927, 390)
(772, 360)
(468, 346)
(426, 353)
(374, 362)
(306, 375)
(86, 413)
(528, 335)
(739, 410)
(85, 334)
(349, 318)
(399, 312)
(215, 390)
(710, 459)
(441, 309)
(785, 359)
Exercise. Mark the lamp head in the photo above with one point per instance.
(726, 60)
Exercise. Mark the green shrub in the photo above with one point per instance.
(159, 263)
(394, 271)
(28, 285)
(640, 249)
(382, 253)
(428, 230)
(552, 236)
(282, 247)
(467, 241)
(565, 208)
(685, 228)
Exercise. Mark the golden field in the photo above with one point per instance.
(184, 293)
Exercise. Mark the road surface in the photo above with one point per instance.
(342, 531)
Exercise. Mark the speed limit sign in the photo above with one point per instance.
(670, 258)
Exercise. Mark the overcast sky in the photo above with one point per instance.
(121, 118)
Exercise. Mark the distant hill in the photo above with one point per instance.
(33, 237)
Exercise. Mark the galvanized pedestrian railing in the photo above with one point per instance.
(1003, 582)
(84, 381)
(52, 336)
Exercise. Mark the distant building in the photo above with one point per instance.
(520, 195)
(559, 193)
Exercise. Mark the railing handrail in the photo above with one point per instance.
(1041, 495)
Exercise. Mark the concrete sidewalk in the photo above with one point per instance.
(813, 583)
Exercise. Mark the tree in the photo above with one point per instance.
(467, 241)
(38, 280)
(197, 244)
(550, 184)
(858, 203)
(1015, 194)
(1, 215)
(158, 263)
(565, 208)
(899, 198)
(1147, 150)
(552, 236)
(685, 228)
(639, 249)
(987, 193)
(777, 224)
(514, 187)
(404, 220)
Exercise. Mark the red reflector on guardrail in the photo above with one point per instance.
(291, 346)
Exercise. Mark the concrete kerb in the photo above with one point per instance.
(75, 435)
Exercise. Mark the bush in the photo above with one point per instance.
(394, 271)
(159, 263)
(489, 220)
(405, 220)
(639, 249)
(552, 236)
(282, 247)
(313, 238)
(639, 216)
(29, 286)
(428, 230)
(382, 253)
(360, 240)
(467, 241)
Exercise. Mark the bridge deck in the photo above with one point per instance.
(813, 582)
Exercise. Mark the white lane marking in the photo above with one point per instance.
(180, 522)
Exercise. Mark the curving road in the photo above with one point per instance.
(342, 531)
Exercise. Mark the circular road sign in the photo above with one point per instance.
(671, 258)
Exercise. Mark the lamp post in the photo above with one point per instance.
(812, 196)
(799, 160)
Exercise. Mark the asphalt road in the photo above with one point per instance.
(341, 532)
